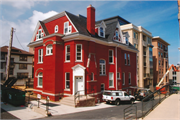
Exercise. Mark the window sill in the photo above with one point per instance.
(112, 87)
(92, 81)
(39, 87)
(78, 61)
(111, 63)
(67, 61)
(40, 63)
(102, 75)
(66, 89)
(48, 54)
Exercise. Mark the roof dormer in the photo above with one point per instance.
(101, 29)
(126, 38)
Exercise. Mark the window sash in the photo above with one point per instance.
(111, 56)
(68, 53)
(92, 76)
(40, 79)
(129, 78)
(102, 67)
(128, 59)
(123, 78)
(56, 29)
(78, 52)
(125, 59)
(111, 79)
(67, 80)
(40, 55)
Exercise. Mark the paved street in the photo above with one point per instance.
(6, 115)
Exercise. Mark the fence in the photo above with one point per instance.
(152, 100)
(130, 112)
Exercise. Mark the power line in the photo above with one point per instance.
(18, 40)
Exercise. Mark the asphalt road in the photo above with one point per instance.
(115, 112)
(6, 115)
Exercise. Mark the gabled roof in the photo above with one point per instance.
(44, 27)
(15, 51)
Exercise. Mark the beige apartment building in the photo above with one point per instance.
(142, 40)
(174, 76)
(160, 59)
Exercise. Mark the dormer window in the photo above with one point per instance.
(117, 35)
(56, 29)
(39, 35)
(126, 40)
(67, 28)
(101, 32)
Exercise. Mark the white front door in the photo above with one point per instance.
(79, 84)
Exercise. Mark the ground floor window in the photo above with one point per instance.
(102, 87)
(111, 79)
(22, 75)
(67, 80)
(40, 79)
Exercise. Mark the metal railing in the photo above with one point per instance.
(77, 95)
(130, 112)
(155, 98)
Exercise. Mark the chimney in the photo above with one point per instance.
(91, 19)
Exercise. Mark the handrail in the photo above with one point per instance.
(77, 94)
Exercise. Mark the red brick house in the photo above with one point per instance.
(73, 53)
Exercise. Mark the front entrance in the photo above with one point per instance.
(79, 84)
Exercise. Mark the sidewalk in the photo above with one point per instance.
(169, 109)
(55, 108)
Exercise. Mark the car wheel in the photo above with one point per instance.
(107, 102)
(117, 102)
(132, 101)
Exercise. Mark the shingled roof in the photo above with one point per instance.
(15, 51)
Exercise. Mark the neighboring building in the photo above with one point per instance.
(74, 53)
(20, 64)
(160, 59)
(174, 76)
(142, 40)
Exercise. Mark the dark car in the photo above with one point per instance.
(143, 93)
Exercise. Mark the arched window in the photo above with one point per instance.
(56, 29)
(40, 79)
(49, 49)
(102, 65)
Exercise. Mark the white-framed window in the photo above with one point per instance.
(129, 78)
(102, 87)
(101, 32)
(102, 65)
(56, 29)
(67, 28)
(126, 40)
(125, 58)
(135, 35)
(128, 59)
(67, 80)
(118, 75)
(78, 52)
(49, 49)
(92, 76)
(123, 75)
(111, 79)
(39, 35)
(40, 79)
(117, 35)
(111, 60)
(40, 56)
(68, 53)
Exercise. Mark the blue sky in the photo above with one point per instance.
(158, 17)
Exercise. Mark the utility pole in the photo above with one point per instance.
(9, 54)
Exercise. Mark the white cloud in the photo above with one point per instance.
(23, 29)
(19, 4)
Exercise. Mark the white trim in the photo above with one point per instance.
(101, 64)
(49, 49)
(41, 59)
(71, 23)
(38, 80)
(56, 29)
(68, 80)
(112, 80)
(76, 53)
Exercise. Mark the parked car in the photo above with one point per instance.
(117, 97)
(142, 93)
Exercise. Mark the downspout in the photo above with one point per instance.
(116, 67)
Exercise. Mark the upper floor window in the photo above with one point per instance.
(126, 40)
(92, 76)
(22, 58)
(144, 37)
(22, 66)
(159, 62)
(123, 75)
(56, 29)
(40, 79)
(2, 56)
(117, 35)
(159, 54)
(111, 56)
(118, 75)
(40, 55)
(125, 58)
(158, 44)
(39, 35)
(161, 46)
(102, 65)
(128, 59)
(162, 55)
(101, 32)
(111, 79)
(67, 53)
(149, 40)
(129, 78)
(135, 35)
(49, 49)
(78, 52)
(67, 28)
